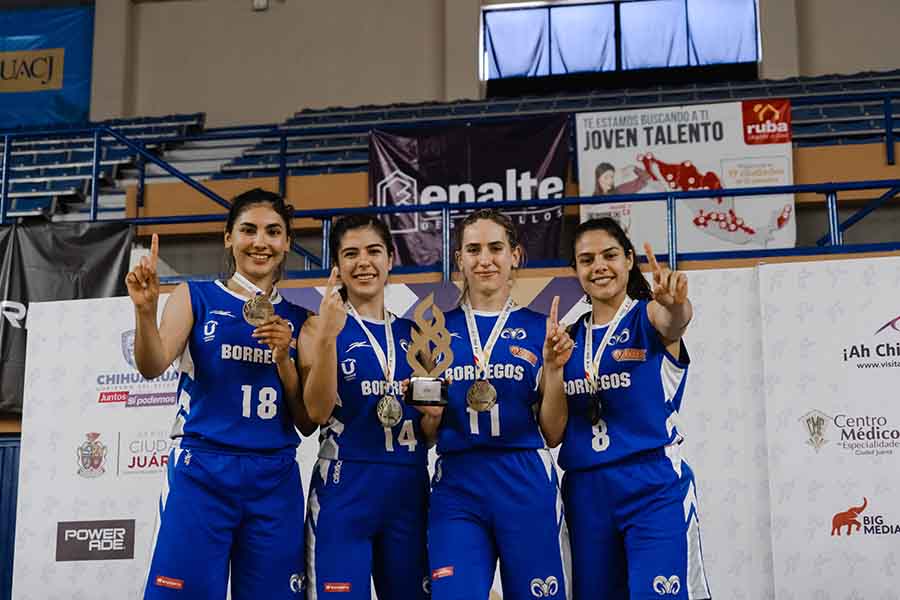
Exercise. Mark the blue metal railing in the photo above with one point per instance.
(102, 133)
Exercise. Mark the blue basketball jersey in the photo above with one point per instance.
(641, 385)
(354, 432)
(514, 370)
(229, 392)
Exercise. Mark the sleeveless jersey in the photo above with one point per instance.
(641, 385)
(514, 370)
(354, 432)
(229, 392)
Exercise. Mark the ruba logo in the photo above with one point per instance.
(663, 586)
(92, 456)
(767, 121)
(544, 588)
(32, 70)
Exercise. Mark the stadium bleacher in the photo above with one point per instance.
(51, 176)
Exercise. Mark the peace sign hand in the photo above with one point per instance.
(670, 288)
(331, 310)
(143, 282)
(557, 343)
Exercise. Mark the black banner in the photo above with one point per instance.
(42, 262)
(521, 160)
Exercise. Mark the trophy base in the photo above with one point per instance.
(427, 391)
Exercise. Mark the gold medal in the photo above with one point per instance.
(389, 411)
(482, 396)
(257, 310)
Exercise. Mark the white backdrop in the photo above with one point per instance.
(822, 408)
(76, 349)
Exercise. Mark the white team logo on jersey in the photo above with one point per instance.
(622, 338)
(222, 313)
(544, 588)
(209, 330)
(348, 368)
(670, 586)
(297, 582)
(516, 333)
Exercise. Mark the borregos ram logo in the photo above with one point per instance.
(400, 189)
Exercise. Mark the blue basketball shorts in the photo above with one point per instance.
(635, 530)
(366, 523)
(497, 504)
(227, 513)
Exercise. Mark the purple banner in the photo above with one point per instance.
(521, 160)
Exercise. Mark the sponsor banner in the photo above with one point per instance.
(831, 350)
(94, 540)
(683, 148)
(52, 261)
(45, 66)
(523, 160)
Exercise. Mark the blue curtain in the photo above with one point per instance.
(582, 38)
(532, 42)
(9, 485)
(654, 34)
(516, 43)
(722, 31)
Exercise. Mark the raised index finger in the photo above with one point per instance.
(154, 250)
(332, 279)
(554, 311)
(651, 258)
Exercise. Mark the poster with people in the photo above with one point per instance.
(686, 148)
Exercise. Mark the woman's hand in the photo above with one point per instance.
(143, 282)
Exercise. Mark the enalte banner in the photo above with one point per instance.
(519, 160)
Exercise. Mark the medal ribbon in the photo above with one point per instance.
(592, 366)
(250, 286)
(389, 363)
(483, 355)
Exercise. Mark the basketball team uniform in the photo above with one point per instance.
(368, 499)
(495, 492)
(630, 499)
(232, 500)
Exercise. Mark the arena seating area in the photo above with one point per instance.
(51, 176)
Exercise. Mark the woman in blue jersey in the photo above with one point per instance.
(369, 493)
(232, 501)
(630, 499)
(495, 493)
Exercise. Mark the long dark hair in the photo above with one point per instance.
(637, 287)
(246, 200)
(600, 170)
(494, 215)
(359, 221)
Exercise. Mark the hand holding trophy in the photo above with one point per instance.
(429, 355)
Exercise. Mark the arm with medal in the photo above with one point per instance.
(670, 312)
(156, 346)
(554, 410)
(318, 353)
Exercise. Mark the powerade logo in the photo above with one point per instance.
(401, 189)
(94, 540)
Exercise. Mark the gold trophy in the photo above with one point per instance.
(430, 345)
